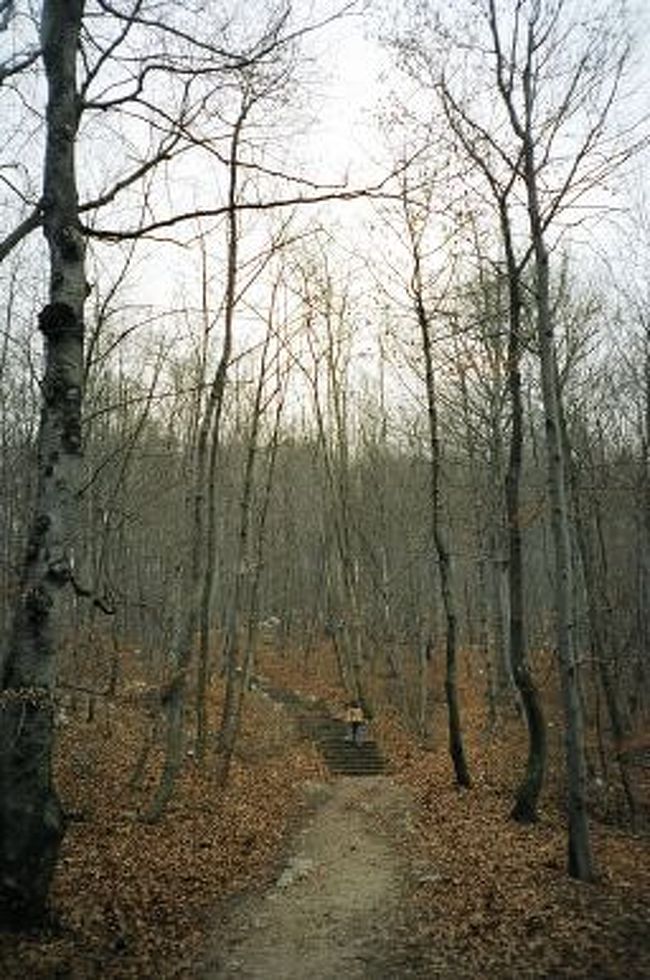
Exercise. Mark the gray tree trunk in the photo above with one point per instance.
(239, 669)
(580, 863)
(197, 573)
(31, 818)
(456, 745)
(529, 789)
(599, 615)
(246, 575)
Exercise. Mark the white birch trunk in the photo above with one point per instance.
(31, 820)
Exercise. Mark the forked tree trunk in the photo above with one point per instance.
(529, 789)
(580, 863)
(210, 561)
(456, 746)
(197, 567)
(238, 667)
(522, 116)
(31, 819)
(600, 616)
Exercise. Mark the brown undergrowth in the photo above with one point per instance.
(488, 898)
(133, 899)
(493, 898)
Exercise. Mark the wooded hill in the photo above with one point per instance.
(245, 400)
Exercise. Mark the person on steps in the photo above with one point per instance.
(355, 719)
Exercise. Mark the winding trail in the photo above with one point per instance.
(335, 910)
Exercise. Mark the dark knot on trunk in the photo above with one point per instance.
(57, 320)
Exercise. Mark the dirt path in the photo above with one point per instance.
(335, 910)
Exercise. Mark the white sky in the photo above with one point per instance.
(347, 73)
(346, 132)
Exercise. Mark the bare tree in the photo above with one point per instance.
(521, 51)
(99, 60)
(545, 149)
(327, 334)
(238, 662)
(31, 817)
(416, 218)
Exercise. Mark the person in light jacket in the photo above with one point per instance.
(354, 717)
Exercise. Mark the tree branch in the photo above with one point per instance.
(115, 235)
(8, 70)
(27, 225)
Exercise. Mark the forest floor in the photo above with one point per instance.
(336, 909)
(402, 875)
(295, 872)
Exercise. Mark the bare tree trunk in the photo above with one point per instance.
(196, 565)
(456, 746)
(31, 819)
(515, 662)
(496, 540)
(600, 612)
(179, 659)
(639, 700)
(531, 45)
(580, 862)
(236, 671)
(529, 789)
(202, 669)
(239, 680)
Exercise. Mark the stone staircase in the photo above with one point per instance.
(343, 756)
(330, 735)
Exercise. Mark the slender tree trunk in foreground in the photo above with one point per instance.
(456, 746)
(237, 670)
(530, 47)
(31, 820)
(580, 862)
(198, 566)
(600, 614)
(529, 789)
(239, 681)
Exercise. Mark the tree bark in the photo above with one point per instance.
(236, 667)
(522, 116)
(600, 615)
(580, 862)
(197, 574)
(31, 817)
(456, 745)
(239, 674)
(529, 789)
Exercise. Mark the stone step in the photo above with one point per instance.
(341, 754)
(330, 735)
